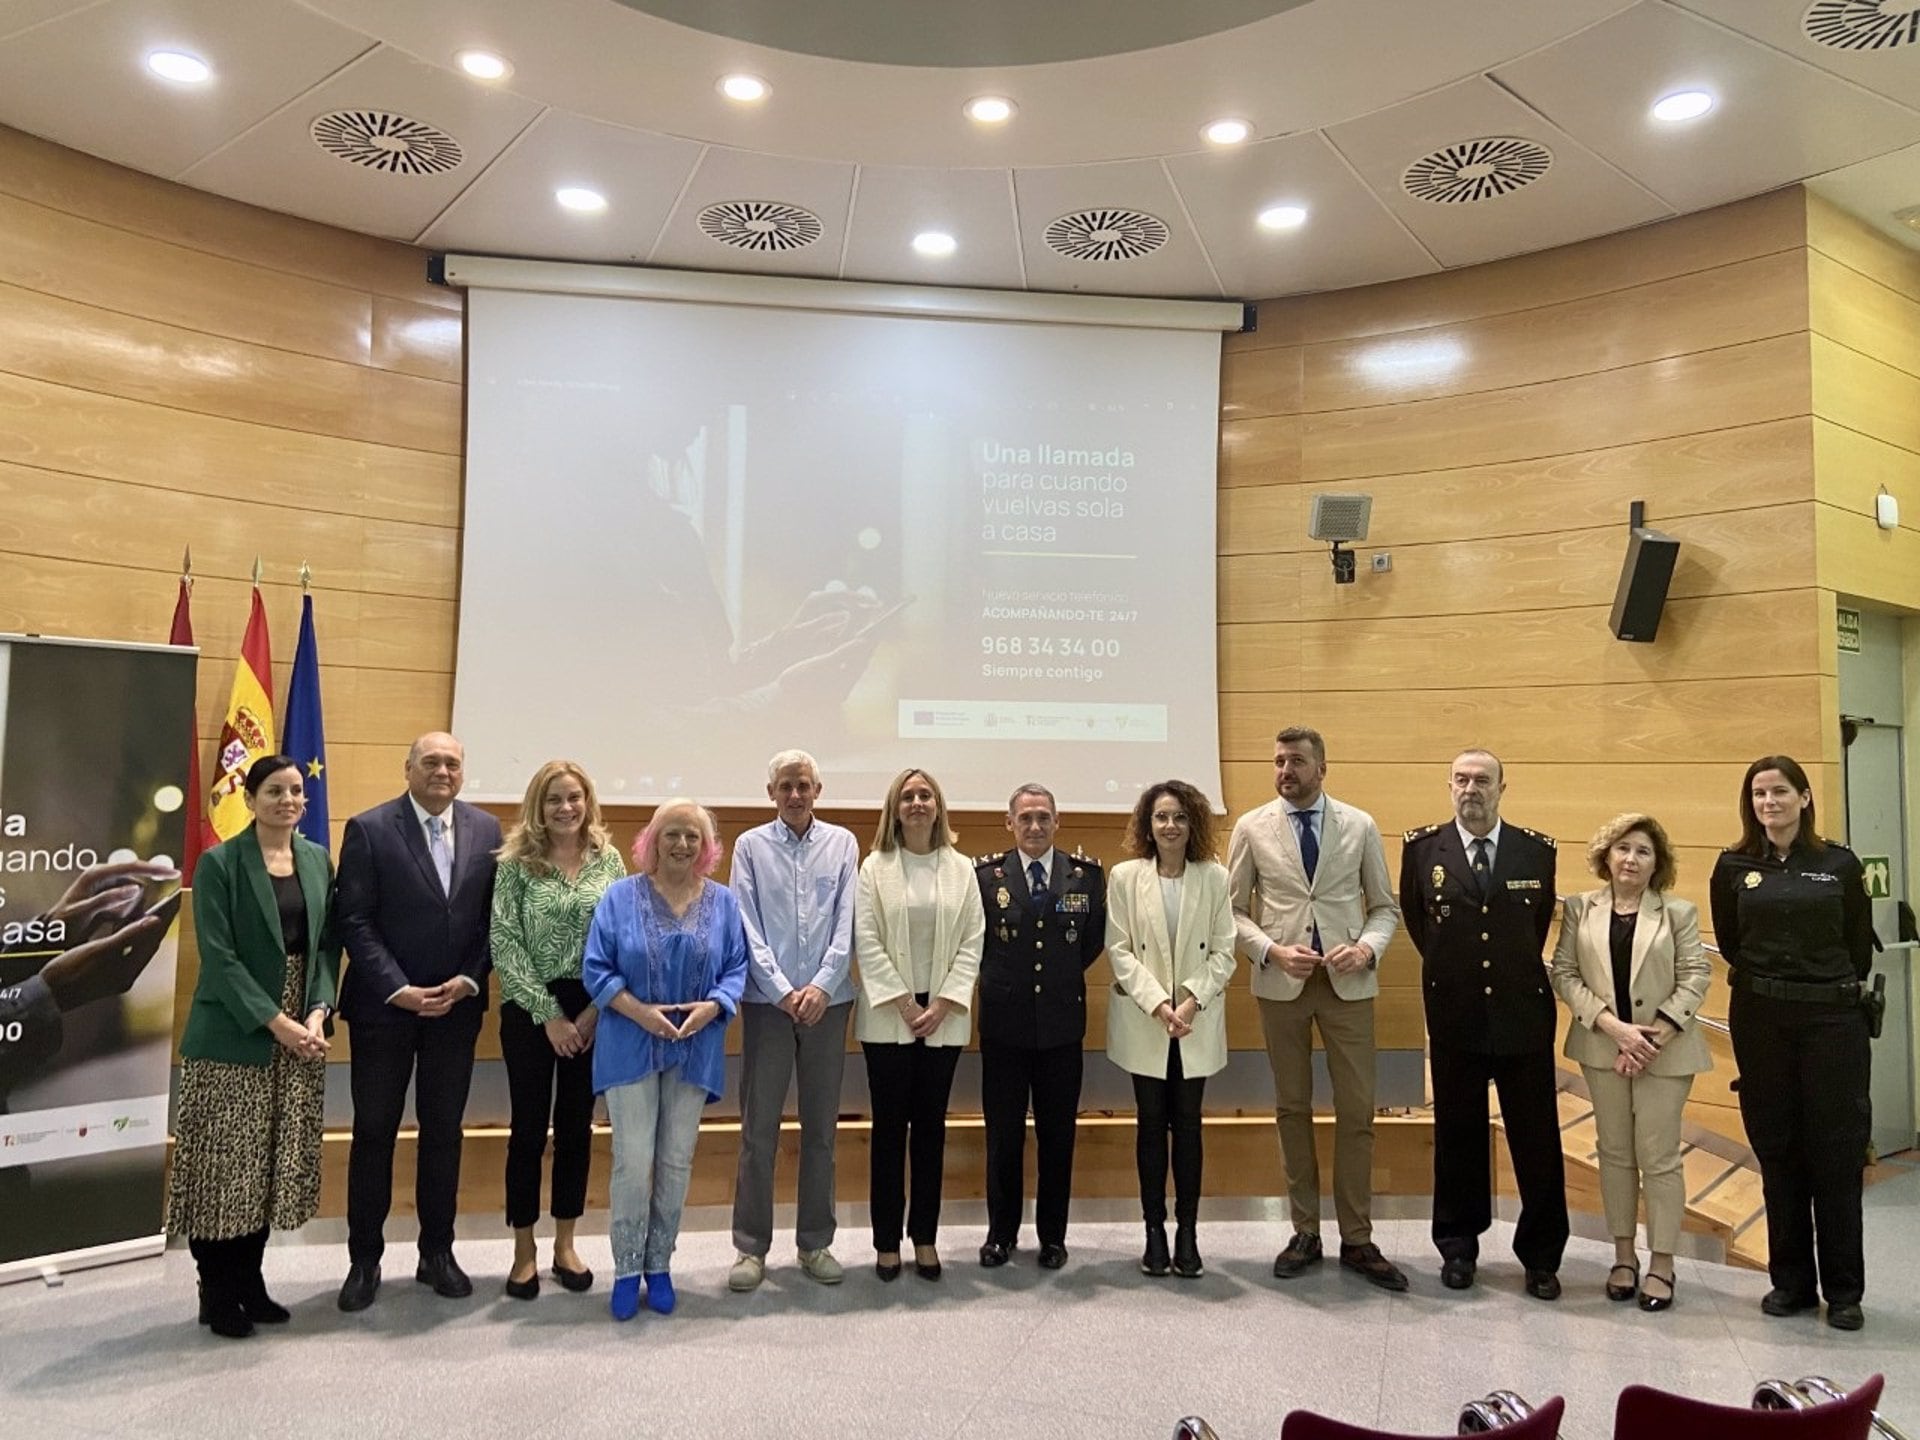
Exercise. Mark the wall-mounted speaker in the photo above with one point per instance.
(1642, 593)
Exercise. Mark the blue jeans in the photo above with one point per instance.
(656, 1122)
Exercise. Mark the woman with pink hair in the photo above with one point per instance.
(666, 961)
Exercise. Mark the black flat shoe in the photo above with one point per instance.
(1543, 1285)
(574, 1280)
(993, 1255)
(1053, 1257)
(527, 1289)
(357, 1291)
(441, 1271)
(1779, 1302)
(1630, 1289)
(1456, 1273)
(1654, 1304)
(1156, 1262)
(1845, 1317)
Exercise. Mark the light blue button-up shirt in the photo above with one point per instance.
(796, 899)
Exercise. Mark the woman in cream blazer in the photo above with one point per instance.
(918, 925)
(1170, 942)
(1630, 967)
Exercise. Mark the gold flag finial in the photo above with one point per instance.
(306, 577)
(256, 570)
(186, 568)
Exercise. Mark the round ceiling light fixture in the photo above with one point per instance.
(1226, 132)
(1283, 217)
(989, 109)
(935, 244)
(1682, 105)
(744, 89)
(483, 64)
(179, 67)
(580, 200)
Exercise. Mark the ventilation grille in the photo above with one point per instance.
(760, 225)
(1476, 170)
(1862, 24)
(1106, 235)
(383, 141)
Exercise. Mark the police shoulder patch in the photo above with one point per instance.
(1546, 840)
(1421, 833)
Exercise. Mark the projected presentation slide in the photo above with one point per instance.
(697, 534)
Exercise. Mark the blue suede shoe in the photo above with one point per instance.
(660, 1293)
(625, 1303)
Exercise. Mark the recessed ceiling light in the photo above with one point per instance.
(1227, 132)
(934, 243)
(989, 109)
(483, 65)
(1283, 217)
(747, 89)
(1683, 105)
(179, 66)
(575, 197)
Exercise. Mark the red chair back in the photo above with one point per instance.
(1543, 1424)
(1645, 1414)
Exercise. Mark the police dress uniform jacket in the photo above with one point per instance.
(1669, 978)
(1482, 979)
(1148, 968)
(1349, 900)
(1033, 987)
(883, 952)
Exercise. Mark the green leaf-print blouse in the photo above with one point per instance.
(540, 927)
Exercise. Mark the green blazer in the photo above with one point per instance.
(243, 958)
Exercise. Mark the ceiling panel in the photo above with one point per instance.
(18, 15)
(1894, 71)
(1349, 238)
(278, 165)
(82, 80)
(893, 205)
(1178, 268)
(1776, 120)
(1579, 196)
(818, 187)
(510, 210)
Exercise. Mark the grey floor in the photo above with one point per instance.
(1096, 1350)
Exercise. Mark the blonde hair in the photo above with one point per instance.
(887, 836)
(1616, 830)
(527, 843)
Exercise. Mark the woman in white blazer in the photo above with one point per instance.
(918, 925)
(1630, 967)
(1170, 942)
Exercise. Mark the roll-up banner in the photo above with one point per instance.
(93, 769)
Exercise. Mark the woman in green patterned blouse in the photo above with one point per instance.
(555, 864)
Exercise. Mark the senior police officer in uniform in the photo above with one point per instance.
(1477, 897)
(1046, 923)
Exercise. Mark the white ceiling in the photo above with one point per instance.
(1343, 96)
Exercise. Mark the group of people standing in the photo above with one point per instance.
(621, 985)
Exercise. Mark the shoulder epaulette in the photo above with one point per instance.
(1546, 840)
(1421, 833)
(985, 861)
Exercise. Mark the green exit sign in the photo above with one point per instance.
(1879, 876)
(1849, 629)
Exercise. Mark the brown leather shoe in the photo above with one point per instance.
(1377, 1269)
(1302, 1251)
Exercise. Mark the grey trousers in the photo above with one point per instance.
(772, 1048)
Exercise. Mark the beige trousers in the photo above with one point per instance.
(1638, 1125)
(1346, 1033)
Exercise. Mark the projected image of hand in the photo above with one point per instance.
(826, 679)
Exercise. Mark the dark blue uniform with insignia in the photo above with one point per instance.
(1490, 1019)
(1033, 1023)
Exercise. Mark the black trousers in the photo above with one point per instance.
(1010, 1075)
(1804, 1096)
(1169, 1118)
(542, 1087)
(909, 1086)
(437, 1057)
(1463, 1156)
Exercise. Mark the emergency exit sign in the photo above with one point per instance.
(1849, 625)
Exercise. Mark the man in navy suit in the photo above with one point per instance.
(414, 902)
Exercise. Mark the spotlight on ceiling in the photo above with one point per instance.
(483, 64)
(934, 243)
(989, 109)
(746, 89)
(581, 200)
(1226, 132)
(1682, 105)
(1283, 217)
(178, 66)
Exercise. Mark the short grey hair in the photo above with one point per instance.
(787, 759)
(1033, 788)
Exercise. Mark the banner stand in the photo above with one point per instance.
(54, 1269)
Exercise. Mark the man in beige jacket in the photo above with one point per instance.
(1314, 906)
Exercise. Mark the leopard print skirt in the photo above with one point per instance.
(246, 1138)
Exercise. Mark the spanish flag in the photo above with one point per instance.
(247, 732)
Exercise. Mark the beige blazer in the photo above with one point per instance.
(1351, 895)
(1146, 971)
(883, 956)
(1669, 977)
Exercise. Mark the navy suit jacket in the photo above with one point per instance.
(398, 925)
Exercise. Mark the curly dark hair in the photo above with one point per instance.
(1199, 810)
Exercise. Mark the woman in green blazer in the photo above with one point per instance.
(247, 1129)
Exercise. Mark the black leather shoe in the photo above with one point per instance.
(1156, 1262)
(357, 1292)
(993, 1255)
(1053, 1257)
(527, 1289)
(1653, 1304)
(1456, 1272)
(1623, 1293)
(1302, 1251)
(1543, 1285)
(443, 1273)
(1373, 1266)
(1186, 1253)
(1785, 1302)
(1845, 1317)
(576, 1281)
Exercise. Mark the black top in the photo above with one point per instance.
(1620, 941)
(1805, 918)
(293, 912)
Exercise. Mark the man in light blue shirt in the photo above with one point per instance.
(794, 878)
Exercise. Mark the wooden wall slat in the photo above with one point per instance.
(415, 339)
(1862, 314)
(1866, 394)
(1857, 245)
(1850, 470)
(1867, 562)
(1262, 451)
(1266, 385)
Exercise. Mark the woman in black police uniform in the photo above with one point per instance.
(1791, 917)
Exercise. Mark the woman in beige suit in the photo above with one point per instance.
(918, 925)
(1630, 967)
(1170, 942)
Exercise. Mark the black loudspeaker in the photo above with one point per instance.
(1643, 585)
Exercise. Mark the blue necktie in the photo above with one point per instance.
(1036, 880)
(1309, 854)
(437, 848)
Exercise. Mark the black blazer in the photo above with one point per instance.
(1033, 987)
(398, 926)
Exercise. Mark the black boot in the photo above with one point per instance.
(1186, 1252)
(251, 1284)
(1156, 1262)
(220, 1309)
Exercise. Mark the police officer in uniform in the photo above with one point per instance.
(1477, 896)
(1046, 923)
(1792, 919)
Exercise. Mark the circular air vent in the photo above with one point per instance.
(760, 225)
(1476, 170)
(1863, 24)
(1106, 235)
(383, 141)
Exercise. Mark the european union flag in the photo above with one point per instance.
(303, 736)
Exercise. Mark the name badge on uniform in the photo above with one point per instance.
(1072, 904)
(1439, 876)
(1752, 880)
(1523, 884)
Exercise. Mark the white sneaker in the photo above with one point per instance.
(821, 1265)
(747, 1273)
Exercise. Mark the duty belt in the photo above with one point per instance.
(1845, 992)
